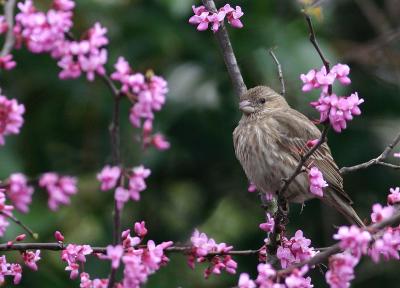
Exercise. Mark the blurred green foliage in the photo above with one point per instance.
(198, 182)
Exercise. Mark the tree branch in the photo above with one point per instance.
(19, 223)
(280, 73)
(334, 249)
(8, 45)
(376, 161)
(228, 54)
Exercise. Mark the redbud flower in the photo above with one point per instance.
(354, 239)
(387, 245)
(397, 155)
(266, 275)
(59, 188)
(3, 25)
(312, 143)
(159, 142)
(245, 281)
(295, 250)
(136, 181)
(140, 229)
(10, 117)
(296, 279)
(109, 177)
(114, 254)
(317, 182)
(16, 271)
(58, 236)
(380, 213)
(7, 62)
(252, 188)
(20, 237)
(234, 16)
(342, 71)
(95, 283)
(64, 5)
(200, 18)
(30, 258)
(269, 225)
(121, 195)
(19, 192)
(394, 196)
(72, 255)
(341, 270)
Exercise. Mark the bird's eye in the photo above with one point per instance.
(262, 100)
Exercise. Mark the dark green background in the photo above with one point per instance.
(198, 182)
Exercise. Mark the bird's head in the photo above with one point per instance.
(260, 98)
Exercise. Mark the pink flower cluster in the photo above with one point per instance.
(147, 92)
(139, 263)
(295, 250)
(394, 196)
(269, 225)
(46, 33)
(30, 258)
(109, 176)
(9, 269)
(338, 110)
(3, 25)
(341, 270)
(202, 246)
(267, 278)
(387, 246)
(354, 239)
(86, 282)
(317, 182)
(203, 18)
(5, 210)
(11, 119)
(73, 255)
(156, 140)
(380, 213)
(7, 62)
(19, 192)
(59, 188)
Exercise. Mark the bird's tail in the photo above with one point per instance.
(343, 206)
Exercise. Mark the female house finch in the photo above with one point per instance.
(269, 141)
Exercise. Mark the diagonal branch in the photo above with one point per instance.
(380, 160)
(228, 54)
(279, 68)
(9, 7)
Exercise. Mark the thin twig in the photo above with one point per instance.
(228, 54)
(9, 7)
(21, 224)
(280, 73)
(376, 161)
(303, 160)
(334, 249)
(313, 40)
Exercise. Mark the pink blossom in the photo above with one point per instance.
(11, 119)
(20, 237)
(121, 195)
(19, 192)
(354, 239)
(234, 16)
(7, 62)
(137, 182)
(128, 241)
(159, 142)
(73, 254)
(16, 271)
(114, 254)
(86, 282)
(3, 25)
(64, 5)
(6, 210)
(342, 71)
(252, 188)
(394, 196)
(266, 276)
(140, 263)
(30, 258)
(312, 143)
(388, 245)
(58, 236)
(296, 279)
(380, 213)
(109, 177)
(202, 246)
(245, 281)
(140, 229)
(269, 225)
(317, 182)
(341, 270)
(397, 155)
(200, 18)
(295, 250)
(59, 188)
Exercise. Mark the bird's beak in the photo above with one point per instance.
(246, 107)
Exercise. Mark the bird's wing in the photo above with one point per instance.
(295, 130)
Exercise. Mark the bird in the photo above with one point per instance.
(270, 140)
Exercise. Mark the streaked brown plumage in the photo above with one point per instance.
(269, 141)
